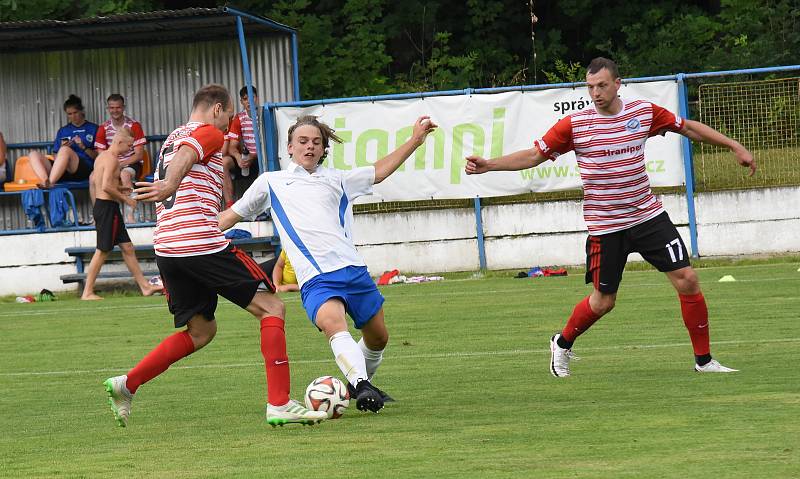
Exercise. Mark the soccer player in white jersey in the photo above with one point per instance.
(620, 211)
(197, 262)
(312, 207)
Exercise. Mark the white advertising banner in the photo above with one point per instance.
(488, 125)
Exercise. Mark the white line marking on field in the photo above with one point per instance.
(296, 298)
(455, 354)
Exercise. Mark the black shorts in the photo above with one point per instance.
(192, 283)
(657, 240)
(82, 173)
(109, 225)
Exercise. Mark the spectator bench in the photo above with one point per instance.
(83, 255)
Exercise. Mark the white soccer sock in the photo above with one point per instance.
(371, 358)
(348, 357)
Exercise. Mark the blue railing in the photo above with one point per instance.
(47, 146)
(272, 152)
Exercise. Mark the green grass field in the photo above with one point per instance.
(467, 362)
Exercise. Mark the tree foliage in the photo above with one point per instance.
(367, 47)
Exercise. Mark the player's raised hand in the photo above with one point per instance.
(156, 191)
(422, 127)
(476, 165)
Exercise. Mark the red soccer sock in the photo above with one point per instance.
(695, 317)
(276, 362)
(170, 350)
(582, 319)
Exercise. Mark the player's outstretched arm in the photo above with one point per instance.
(697, 131)
(160, 190)
(227, 219)
(519, 160)
(391, 162)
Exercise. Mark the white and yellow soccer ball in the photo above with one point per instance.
(329, 394)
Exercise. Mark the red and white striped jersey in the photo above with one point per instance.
(241, 129)
(106, 132)
(610, 154)
(187, 224)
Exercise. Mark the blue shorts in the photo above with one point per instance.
(352, 285)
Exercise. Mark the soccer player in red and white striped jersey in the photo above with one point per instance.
(240, 152)
(622, 214)
(197, 263)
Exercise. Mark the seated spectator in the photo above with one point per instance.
(107, 217)
(73, 147)
(3, 170)
(281, 272)
(130, 161)
(240, 152)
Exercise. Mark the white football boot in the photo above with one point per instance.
(293, 412)
(559, 358)
(119, 398)
(713, 366)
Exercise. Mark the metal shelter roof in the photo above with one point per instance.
(166, 26)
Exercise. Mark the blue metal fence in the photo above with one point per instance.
(269, 162)
(272, 152)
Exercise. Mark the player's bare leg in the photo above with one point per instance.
(92, 271)
(129, 256)
(41, 166)
(66, 160)
(92, 192)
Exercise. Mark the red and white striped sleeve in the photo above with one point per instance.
(205, 140)
(557, 140)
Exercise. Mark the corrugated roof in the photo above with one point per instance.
(165, 26)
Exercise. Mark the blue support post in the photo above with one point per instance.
(295, 68)
(688, 165)
(269, 134)
(249, 82)
(479, 228)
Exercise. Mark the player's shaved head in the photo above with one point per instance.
(210, 95)
(599, 63)
(122, 134)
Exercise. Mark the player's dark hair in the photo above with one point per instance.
(599, 63)
(210, 95)
(73, 101)
(115, 97)
(243, 92)
(324, 130)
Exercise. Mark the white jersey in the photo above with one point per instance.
(313, 213)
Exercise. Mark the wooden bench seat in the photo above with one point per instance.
(83, 255)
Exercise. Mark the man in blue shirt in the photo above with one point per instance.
(73, 147)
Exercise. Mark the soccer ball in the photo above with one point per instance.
(328, 394)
